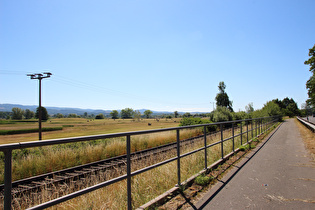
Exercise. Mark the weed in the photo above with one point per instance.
(203, 180)
(244, 147)
(252, 146)
(255, 140)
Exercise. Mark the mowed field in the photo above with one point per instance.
(73, 127)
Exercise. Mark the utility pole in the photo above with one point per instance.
(212, 105)
(40, 77)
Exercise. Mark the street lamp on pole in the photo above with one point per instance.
(40, 77)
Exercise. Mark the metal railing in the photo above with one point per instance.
(307, 123)
(257, 126)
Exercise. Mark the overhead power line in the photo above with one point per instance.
(103, 90)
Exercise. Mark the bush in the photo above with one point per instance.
(203, 180)
(196, 121)
(100, 116)
(31, 130)
(244, 148)
(221, 114)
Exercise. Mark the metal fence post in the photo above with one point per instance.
(241, 134)
(128, 147)
(247, 129)
(178, 157)
(205, 141)
(252, 129)
(7, 179)
(221, 128)
(233, 136)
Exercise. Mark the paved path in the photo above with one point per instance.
(278, 175)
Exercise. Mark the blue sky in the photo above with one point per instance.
(159, 55)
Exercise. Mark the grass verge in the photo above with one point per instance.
(308, 138)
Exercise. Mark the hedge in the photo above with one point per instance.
(31, 130)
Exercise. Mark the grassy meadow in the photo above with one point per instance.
(80, 127)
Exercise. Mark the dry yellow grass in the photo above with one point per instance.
(35, 161)
(308, 138)
(83, 127)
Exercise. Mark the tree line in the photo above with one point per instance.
(224, 110)
(310, 84)
(127, 113)
(20, 114)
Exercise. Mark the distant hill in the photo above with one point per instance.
(78, 111)
(53, 110)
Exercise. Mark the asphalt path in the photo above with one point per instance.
(278, 174)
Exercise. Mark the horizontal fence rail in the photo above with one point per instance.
(308, 124)
(252, 127)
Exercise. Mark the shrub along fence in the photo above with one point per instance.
(249, 129)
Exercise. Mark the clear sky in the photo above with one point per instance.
(159, 55)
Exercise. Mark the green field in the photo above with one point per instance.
(79, 127)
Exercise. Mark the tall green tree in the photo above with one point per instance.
(72, 115)
(249, 108)
(59, 115)
(176, 114)
(114, 114)
(137, 115)
(44, 113)
(271, 109)
(222, 98)
(148, 113)
(187, 114)
(17, 113)
(28, 114)
(310, 84)
(5, 115)
(126, 113)
(288, 107)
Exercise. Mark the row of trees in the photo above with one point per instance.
(310, 84)
(127, 113)
(20, 114)
(224, 110)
